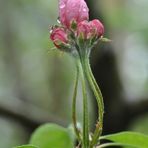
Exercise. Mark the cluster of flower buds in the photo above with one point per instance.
(75, 31)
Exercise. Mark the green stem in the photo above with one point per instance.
(85, 143)
(99, 98)
(77, 131)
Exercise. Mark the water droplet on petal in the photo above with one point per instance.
(84, 10)
(62, 6)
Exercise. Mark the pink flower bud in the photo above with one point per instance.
(84, 29)
(70, 10)
(98, 26)
(58, 36)
(90, 29)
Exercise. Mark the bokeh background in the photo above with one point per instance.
(36, 81)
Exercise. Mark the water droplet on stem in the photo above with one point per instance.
(58, 20)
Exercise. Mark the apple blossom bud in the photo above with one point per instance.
(98, 26)
(58, 36)
(83, 29)
(90, 29)
(70, 10)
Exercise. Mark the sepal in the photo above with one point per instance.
(73, 25)
(105, 39)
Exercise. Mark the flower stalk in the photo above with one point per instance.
(85, 142)
(77, 35)
(95, 88)
(99, 98)
(77, 131)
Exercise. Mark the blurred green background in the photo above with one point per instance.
(36, 81)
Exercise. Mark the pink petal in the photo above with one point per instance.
(72, 10)
(84, 11)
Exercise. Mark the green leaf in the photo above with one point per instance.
(52, 136)
(26, 146)
(134, 139)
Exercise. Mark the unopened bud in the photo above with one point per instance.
(98, 27)
(58, 36)
(72, 10)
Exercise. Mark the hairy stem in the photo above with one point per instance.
(85, 109)
(77, 131)
(99, 98)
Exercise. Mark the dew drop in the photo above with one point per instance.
(84, 10)
(50, 31)
(62, 6)
(58, 20)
